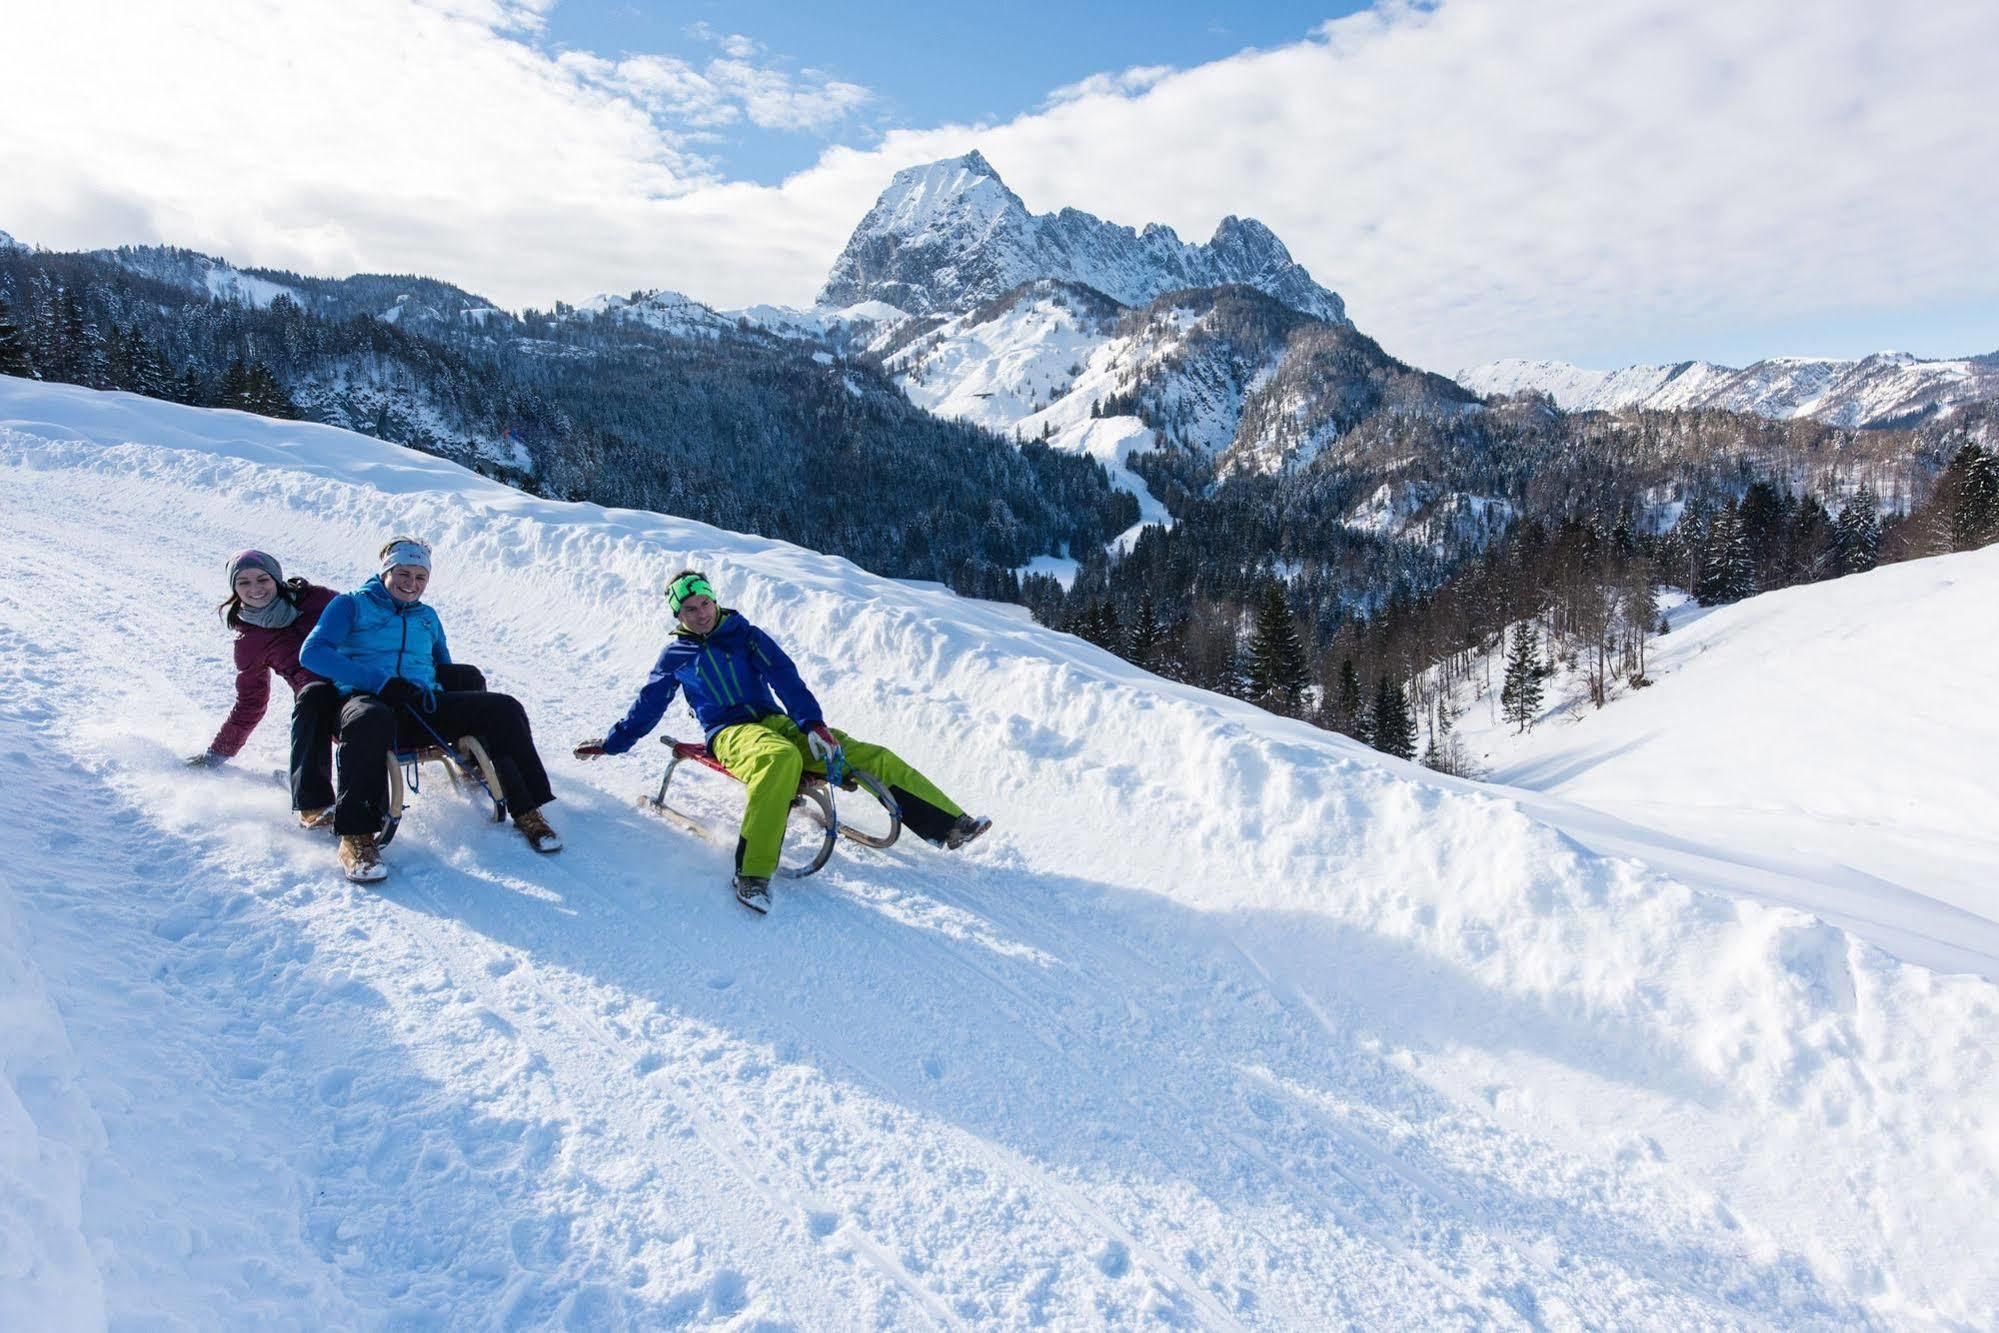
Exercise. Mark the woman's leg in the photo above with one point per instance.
(315, 714)
(769, 762)
(367, 726)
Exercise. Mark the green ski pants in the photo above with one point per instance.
(770, 755)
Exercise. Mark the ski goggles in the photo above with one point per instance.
(684, 587)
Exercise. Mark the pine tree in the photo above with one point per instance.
(1970, 490)
(1278, 672)
(1857, 535)
(1394, 726)
(263, 394)
(14, 357)
(1346, 702)
(1143, 641)
(234, 391)
(1520, 693)
(1726, 572)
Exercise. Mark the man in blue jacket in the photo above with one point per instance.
(386, 651)
(735, 677)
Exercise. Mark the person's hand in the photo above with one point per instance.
(207, 759)
(400, 693)
(825, 747)
(590, 750)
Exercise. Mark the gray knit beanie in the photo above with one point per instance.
(255, 560)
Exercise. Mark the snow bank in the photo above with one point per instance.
(48, 1278)
(1229, 1023)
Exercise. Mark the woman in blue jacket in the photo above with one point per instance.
(736, 678)
(386, 651)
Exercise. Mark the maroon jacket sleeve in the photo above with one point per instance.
(253, 695)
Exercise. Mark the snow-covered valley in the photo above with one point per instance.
(1230, 1023)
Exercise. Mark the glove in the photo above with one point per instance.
(590, 750)
(825, 747)
(401, 693)
(207, 759)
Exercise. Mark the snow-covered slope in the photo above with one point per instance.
(1829, 745)
(1229, 1024)
(1884, 389)
(947, 236)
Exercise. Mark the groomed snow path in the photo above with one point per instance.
(1227, 1025)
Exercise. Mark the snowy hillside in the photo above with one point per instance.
(663, 311)
(949, 235)
(1828, 745)
(1887, 388)
(1230, 1023)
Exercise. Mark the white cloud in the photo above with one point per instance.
(1478, 178)
(1134, 80)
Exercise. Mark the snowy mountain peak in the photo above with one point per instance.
(9, 243)
(949, 235)
(941, 196)
(1886, 388)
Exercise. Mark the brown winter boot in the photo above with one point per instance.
(316, 819)
(359, 858)
(536, 830)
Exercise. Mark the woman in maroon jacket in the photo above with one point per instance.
(271, 618)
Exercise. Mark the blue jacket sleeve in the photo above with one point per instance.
(321, 652)
(440, 651)
(784, 679)
(647, 709)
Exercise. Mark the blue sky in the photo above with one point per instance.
(1595, 181)
(927, 63)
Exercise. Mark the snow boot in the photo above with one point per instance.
(359, 858)
(753, 892)
(316, 819)
(964, 830)
(536, 830)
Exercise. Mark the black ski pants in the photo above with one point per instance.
(369, 728)
(315, 714)
(315, 720)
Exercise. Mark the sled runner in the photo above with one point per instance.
(814, 823)
(467, 764)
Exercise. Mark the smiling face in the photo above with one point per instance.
(406, 582)
(254, 588)
(699, 613)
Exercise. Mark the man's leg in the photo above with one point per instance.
(315, 714)
(926, 811)
(500, 722)
(769, 763)
(366, 728)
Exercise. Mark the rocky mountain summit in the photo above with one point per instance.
(949, 236)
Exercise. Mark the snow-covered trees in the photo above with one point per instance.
(1963, 514)
(1278, 671)
(1520, 694)
(14, 357)
(1394, 725)
(1857, 535)
(1727, 572)
(1146, 637)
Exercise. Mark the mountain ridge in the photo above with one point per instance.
(1881, 389)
